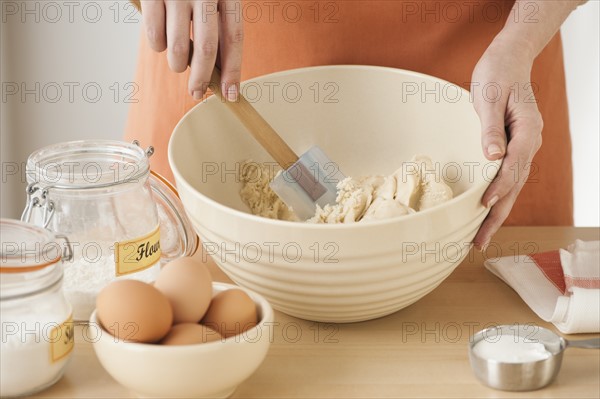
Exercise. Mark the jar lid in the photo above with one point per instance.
(87, 164)
(26, 247)
(177, 235)
(30, 258)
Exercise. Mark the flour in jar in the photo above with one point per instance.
(85, 277)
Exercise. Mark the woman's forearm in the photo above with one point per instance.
(532, 24)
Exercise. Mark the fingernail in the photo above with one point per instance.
(493, 201)
(197, 95)
(232, 93)
(494, 149)
(484, 246)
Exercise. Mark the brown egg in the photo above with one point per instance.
(231, 312)
(188, 285)
(190, 333)
(134, 311)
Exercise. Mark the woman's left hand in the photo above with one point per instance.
(511, 126)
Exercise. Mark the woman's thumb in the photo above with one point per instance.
(493, 133)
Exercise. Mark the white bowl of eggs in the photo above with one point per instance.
(183, 336)
(369, 120)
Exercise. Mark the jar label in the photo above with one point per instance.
(138, 254)
(62, 340)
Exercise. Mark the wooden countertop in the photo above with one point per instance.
(420, 351)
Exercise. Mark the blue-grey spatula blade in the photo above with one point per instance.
(310, 181)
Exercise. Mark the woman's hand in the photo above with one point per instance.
(167, 24)
(511, 126)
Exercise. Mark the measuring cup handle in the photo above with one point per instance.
(593, 343)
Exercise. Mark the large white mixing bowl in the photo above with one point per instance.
(368, 120)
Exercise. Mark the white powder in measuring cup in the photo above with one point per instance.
(511, 348)
(84, 279)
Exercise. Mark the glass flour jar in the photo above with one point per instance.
(37, 329)
(122, 219)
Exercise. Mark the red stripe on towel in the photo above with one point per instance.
(582, 282)
(549, 264)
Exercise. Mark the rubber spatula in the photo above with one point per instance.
(305, 181)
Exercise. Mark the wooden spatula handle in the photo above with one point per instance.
(260, 129)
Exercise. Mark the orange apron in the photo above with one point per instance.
(439, 38)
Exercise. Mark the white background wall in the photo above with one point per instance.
(581, 43)
(90, 46)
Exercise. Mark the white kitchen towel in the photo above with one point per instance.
(562, 287)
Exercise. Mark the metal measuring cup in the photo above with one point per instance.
(523, 376)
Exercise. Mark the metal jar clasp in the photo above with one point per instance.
(37, 197)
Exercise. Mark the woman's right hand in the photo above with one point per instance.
(167, 24)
